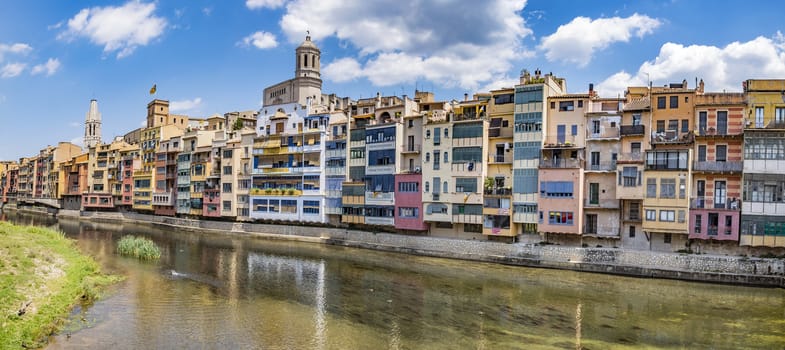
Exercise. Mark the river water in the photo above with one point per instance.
(211, 291)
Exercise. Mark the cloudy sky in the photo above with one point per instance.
(217, 56)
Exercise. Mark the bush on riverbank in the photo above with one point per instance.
(42, 275)
(138, 247)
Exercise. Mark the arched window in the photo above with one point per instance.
(313, 61)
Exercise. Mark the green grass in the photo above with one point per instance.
(138, 247)
(43, 267)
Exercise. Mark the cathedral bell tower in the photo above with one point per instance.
(92, 126)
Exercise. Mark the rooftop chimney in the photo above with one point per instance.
(465, 96)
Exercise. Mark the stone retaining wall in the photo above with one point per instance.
(695, 267)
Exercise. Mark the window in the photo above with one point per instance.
(666, 238)
(674, 102)
(411, 123)
(427, 157)
(682, 216)
(722, 153)
(427, 187)
(698, 223)
(720, 193)
(466, 184)
(405, 212)
(437, 136)
(673, 124)
(556, 189)
(227, 153)
(227, 170)
(553, 105)
(758, 117)
(574, 130)
(565, 106)
(661, 102)
(428, 134)
(667, 215)
(446, 158)
(474, 228)
(779, 115)
(560, 218)
(632, 231)
(667, 188)
(227, 205)
(635, 147)
(702, 120)
(227, 188)
(651, 215)
(728, 224)
(311, 207)
(702, 153)
(594, 193)
(445, 187)
(685, 125)
(408, 187)
(651, 188)
(722, 122)
(636, 119)
(634, 211)
(503, 99)
(630, 176)
(436, 159)
(660, 126)
(682, 187)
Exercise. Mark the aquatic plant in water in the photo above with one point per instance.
(138, 247)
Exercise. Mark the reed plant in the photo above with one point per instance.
(138, 247)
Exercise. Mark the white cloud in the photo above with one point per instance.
(261, 40)
(15, 48)
(11, 70)
(464, 45)
(74, 124)
(721, 68)
(577, 41)
(185, 105)
(207, 11)
(121, 29)
(271, 4)
(51, 66)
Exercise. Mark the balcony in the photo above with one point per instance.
(601, 166)
(718, 167)
(560, 163)
(672, 137)
(500, 132)
(468, 116)
(498, 191)
(335, 171)
(335, 154)
(469, 168)
(632, 130)
(410, 148)
(606, 133)
(278, 171)
(500, 158)
(708, 202)
(560, 141)
(275, 192)
(712, 132)
(634, 157)
(467, 218)
(379, 221)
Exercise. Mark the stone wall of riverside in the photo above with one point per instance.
(696, 267)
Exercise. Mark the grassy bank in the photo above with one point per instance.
(42, 275)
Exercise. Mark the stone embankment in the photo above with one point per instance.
(693, 267)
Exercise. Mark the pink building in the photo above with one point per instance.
(408, 203)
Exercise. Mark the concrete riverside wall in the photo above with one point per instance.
(693, 267)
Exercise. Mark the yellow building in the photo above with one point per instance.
(668, 167)
(763, 202)
(497, 185)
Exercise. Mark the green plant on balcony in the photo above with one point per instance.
(489, 183)
(290, 192)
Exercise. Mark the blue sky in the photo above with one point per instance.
(217, 56)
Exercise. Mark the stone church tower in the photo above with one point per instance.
(92, 126)
(307, 81)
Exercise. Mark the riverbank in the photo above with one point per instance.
(42, 276)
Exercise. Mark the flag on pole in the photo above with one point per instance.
(152, 89)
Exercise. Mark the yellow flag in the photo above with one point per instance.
(152, 90)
